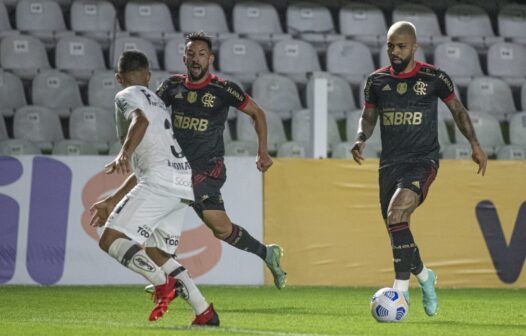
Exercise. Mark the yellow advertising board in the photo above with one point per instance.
(326, 215)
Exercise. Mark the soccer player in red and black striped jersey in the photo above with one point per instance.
(404, 96)
(199, 102)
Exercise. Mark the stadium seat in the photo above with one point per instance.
(156, 79)
(24, 55)
(425, 21)
(115, 148)
(302, 129)
(295, 59)
(258, 21)
(242, 58)
(508, 62)
(18, 147)
(96, 19)
(459, 60)
(374, 143)
(292, 149)
(102, 88)
(39, 125)
(276, 93)
(491, 95)
(93, 125)
(173, 55)
(241, 148)
(123, 44)
(470, 24)
(3, 129)
(340, 98)
(511, 152)
(350, 59)
(276, 133)
(79, 56)
(364, 22)
(12, 93)
(5, 25)
(74, 148)
(488, 132)
(384, 58)
(457, 152)
(204, 16)
(512, 22)
(151, 20)
(523, 96)
(57, 91)
(518, 129)
(227, 136)
(42, 19)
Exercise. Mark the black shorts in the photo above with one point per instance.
(416, 176)
(207, 185)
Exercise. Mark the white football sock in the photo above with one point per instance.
(422, 276)
(401, 285)
(195, 298)
(135, 258)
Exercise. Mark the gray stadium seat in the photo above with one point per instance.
(24, 55)
(373, 145)
(57, 91)
(102, 88)
(241, 148)
(512, 152)
(364, 22)
(18, 147)
(459, 60)
(340, 98)
(123, 44)
(242, 58)
(350, 59)
(79, 56)
(302, 129)
(39, 125)
(41, 18)
(488, 132)
(93, 125)
(384, 58)
(425, 21)
(3, 129)
(96, 19)
(115, 148)
(512, 22)
(491, 95)
(295, 59)
(518, 129)
(523, 96)
(276, 93)
(312, 22)
(276, 132)
(74, 148)
(204, 16)
(151, 20)
(156, 79)
(470, 24)
(457, 152)
(12, 93)
(5, 25)
(292, 149)
(508, 62)
(173, 55)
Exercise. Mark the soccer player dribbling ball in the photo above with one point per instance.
(404, 96)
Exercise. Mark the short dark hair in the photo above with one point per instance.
(199, 36)
(132, 60)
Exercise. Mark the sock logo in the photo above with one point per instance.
(181, 290)
(143, 264)
(507, 259)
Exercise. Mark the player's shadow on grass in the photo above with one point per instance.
(280, 310)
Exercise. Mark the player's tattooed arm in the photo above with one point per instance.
(263, 161)
(367, 123)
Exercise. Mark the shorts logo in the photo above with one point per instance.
(192, 97)
(401, 88)
(143, 264)
(420, 88)
(416, 184)
(208, 100)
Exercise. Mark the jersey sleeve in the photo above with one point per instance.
(371, 99)
(235, 96)
(128, 101)
(163, 91)
(445, 88)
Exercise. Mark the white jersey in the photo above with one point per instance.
(158, 158)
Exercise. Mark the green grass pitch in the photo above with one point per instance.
(124, 310)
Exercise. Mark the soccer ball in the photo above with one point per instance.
(389, 305)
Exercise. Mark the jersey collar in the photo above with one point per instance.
(197, 86)
(413, 72)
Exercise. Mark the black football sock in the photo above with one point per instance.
(403, 246)
(241, 239)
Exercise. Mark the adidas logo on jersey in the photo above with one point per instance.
(386, 88)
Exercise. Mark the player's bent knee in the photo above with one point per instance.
(397, 216)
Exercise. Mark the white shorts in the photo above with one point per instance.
(151, 216)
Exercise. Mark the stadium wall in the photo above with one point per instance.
(326, 214)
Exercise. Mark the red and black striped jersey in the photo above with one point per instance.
(407, 108)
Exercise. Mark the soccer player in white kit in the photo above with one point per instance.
(153, 200)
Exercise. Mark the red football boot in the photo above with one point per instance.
(207, 318)
(164, 294)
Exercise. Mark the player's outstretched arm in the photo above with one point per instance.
(365, 129)
(263, 161)
(138, 126)
(463, 122)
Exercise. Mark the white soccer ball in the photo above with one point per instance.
(389, 305)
